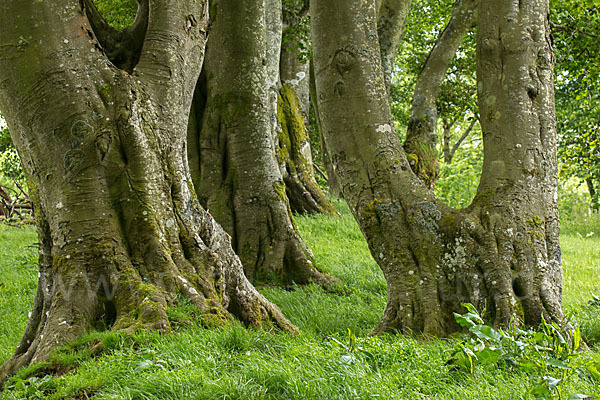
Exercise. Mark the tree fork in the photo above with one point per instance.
(503, 250)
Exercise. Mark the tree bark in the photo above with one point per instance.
(502, 252)
(421, 138)
(391, 21)
(237, 175)
(332, 181)
(120, 229)
(294, 150)
(304, 194)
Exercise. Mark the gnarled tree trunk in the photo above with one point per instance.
(421, 138)
(503, 250)
(237, 175)
(120, 229)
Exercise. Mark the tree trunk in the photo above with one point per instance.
(237, 175)
(294, 150)
(592, 191)
(391, 20)
(502, 252)
(421, 138)
(303, 192)
(121, 232)
(332, 181)
(295, 73)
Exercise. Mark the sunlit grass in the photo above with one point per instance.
(236, 363)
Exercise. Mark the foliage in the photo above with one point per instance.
(119, 13)
(549, 356)
(5, 140)
(457, 182)
(576, 30)
(423, 26)
(576, 213)
(296, 32)
(458, 95)
(10, 165)
(587, 317)
(579, 135)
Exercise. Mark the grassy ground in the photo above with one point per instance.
(320, 363)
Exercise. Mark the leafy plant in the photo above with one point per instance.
(549, 356)
(352, 349)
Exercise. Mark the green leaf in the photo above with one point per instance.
(541, 392)
(593, 370)
(486, 333)
(470, 307)
(489, 356)
(552, 382)
(558, 364)
(576, 338)
(528, 366)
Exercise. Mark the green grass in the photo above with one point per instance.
(236, 363)
(18, 282)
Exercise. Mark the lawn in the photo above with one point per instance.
(320, 363)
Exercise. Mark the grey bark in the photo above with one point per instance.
(421, 137)
(236, 173)
(120, 229)
(391, 21)
(333, 183)
(294, 149)
(502, 251)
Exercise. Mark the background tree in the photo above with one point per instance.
(232, 152)
(121, 232)
(501, 251)
(421, 137)
(576, 29)
(294, 152)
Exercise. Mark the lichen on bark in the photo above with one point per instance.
(434, 257)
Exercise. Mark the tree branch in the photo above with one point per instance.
(462, 138)
(105, 34)
(392, 16)
(320, 171)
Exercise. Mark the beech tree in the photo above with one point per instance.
(502, 252)
(103, 143)
(233, 139)
(294, 151)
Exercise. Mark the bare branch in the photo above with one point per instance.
(461, 140)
